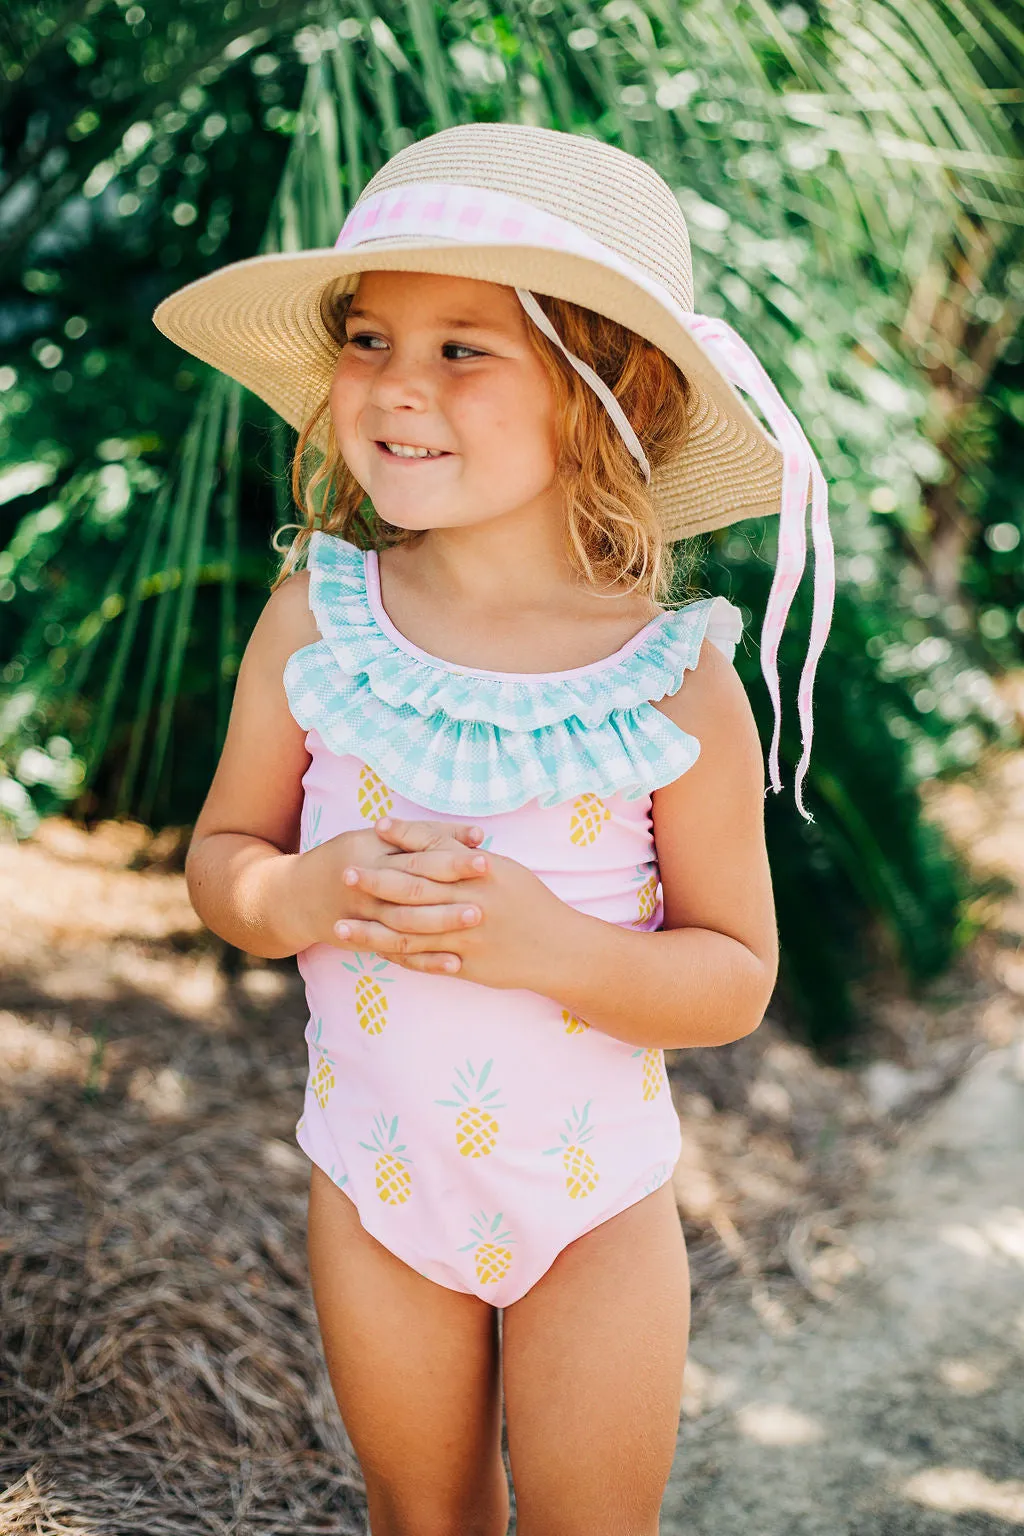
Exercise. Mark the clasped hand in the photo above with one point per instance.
(422, 895)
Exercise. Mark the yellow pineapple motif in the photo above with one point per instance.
(654, 1071)
(581, 1175)
(322, 1080)
(646, 895)
(394, 1181)
(491, 1260)
(589, 814)
(371, 1003)
(373, 796)
(574, 1025)
(476, 1129)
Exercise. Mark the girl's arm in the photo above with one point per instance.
(246, 878)
(707, 977)
(243, 857)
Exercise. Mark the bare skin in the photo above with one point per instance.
(592, 1361)
(593, 1355)
(415, 1371)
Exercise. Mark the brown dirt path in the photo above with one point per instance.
(896, 1409)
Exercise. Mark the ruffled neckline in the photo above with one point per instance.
(345, 600)
(533, 679)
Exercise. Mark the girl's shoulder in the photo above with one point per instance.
(286, 625)
(710, 690)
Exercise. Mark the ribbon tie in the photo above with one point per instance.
(743, 370)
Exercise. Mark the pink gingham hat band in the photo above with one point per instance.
(469, 215)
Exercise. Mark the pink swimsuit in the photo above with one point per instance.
(479, 1131)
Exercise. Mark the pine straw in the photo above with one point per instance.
(162, 1370)
(160, 1365)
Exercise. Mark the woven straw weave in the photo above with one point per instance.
(258, 320)
(601, 182)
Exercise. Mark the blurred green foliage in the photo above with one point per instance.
(852, 182)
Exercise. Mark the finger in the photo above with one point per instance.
(434, 962)
(418, 836)
(396, 885)
(356, 934)
(441, 864)
(449, 917)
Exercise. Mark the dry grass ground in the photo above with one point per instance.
(160, 1369)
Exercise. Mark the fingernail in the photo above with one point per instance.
(451, 965)
(384, 823)
(480, 864)
(351, 877)
(469, 914)
(476, 831)
(342, 930)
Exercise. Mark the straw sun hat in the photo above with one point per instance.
(574, 218)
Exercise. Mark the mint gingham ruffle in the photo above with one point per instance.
(477, 743)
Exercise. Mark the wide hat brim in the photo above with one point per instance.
(258, 321)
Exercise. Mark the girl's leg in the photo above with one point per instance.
(416, 1373)
(593, 1361)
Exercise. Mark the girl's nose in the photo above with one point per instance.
(401, 383)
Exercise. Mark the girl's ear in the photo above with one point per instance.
(334, 308)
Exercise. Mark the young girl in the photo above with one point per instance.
(504, 806)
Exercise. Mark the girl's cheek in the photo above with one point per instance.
(346, 399)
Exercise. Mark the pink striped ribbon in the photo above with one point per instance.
(743, 370)
(475, 216)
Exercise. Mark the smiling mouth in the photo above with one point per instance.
(410, 452)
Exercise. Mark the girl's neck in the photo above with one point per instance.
(481, 563)
(501, 595)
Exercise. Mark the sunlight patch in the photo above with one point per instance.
(777, 1424)
(960, 1491)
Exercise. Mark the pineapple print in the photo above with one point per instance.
(322, 1080)
(589, 814)
(476, 1129)
(394, 1181)
(373, 796)
(581, 1175)
(654, 1071)
(574, 1025)
(311, 828)
(646, 884)
(491, 1260)
(371, 1003)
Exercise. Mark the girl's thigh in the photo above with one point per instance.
(415, 1369)
(593, 1360)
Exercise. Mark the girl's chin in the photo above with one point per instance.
(420, 519)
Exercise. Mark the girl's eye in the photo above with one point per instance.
(367, 341)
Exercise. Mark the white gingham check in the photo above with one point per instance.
(470, 743)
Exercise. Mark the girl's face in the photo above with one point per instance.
(444, 364)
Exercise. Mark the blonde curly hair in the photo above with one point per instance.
(613, 531)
